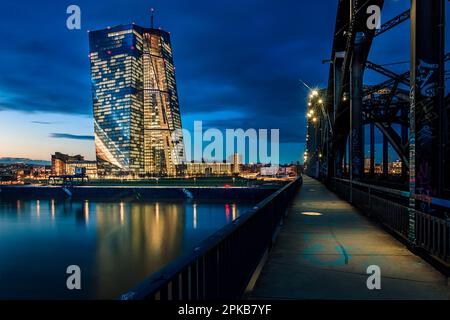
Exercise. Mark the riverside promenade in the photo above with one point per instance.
(323, 251)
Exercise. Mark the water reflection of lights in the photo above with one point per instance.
(157, 212)
(227, 211)
(122, 213)
(53, 209)
(194, 206)
(115, 244)
(86, 211)
(38, 208)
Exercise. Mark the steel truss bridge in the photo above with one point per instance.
(409, 109)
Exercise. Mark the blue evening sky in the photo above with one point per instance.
(238, 65)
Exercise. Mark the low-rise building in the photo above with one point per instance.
(63, 164)
(204, 168)
(395, 167)
(86, 167)
(207, 169)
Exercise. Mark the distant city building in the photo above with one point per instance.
(282, 171)
(378, 168)
(59, 161)
(63, 164)
(236, 163)
(211, 168)
(367, 165)
(269, 171)
(289, 170)
(40, 171)
(208, 169)
(395, 167)
(135, 100)
(15, 172)
(88, 168)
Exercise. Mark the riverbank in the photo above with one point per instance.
(136, 192)
(170, 182)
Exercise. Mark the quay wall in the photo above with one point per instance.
(134, 193)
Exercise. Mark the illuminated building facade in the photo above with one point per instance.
(60, 160)
(236, 163)
(205, 168)
(208, 169)
(136, 112)
(89, 168)
(63, 164)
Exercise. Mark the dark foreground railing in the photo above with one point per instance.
(222, 265)
(432, 234)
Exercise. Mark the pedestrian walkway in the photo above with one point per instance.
(323, 251)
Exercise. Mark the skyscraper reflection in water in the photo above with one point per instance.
(116, 244)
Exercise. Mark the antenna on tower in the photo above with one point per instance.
(152, 17)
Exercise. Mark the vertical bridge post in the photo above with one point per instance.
(356, 123)
(427, 106)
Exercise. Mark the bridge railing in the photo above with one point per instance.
(222, 265)
(432, 234)
(388, 207)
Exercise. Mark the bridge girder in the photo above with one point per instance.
(383, 104)
(386, 72)
(393, 22)
(342, 57)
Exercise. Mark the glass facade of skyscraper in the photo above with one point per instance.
(136, 110)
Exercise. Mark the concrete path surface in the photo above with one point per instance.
(323, 251)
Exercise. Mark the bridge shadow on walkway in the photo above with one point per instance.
(326, 256)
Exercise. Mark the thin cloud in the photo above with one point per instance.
(70, 136)
(41, 122)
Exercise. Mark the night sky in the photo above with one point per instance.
(238, 65)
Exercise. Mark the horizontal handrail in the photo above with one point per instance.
(401, 193)
(405, 194)
(432, 233)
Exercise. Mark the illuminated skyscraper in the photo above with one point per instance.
(136, 111)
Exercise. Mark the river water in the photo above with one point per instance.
(115, 244)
